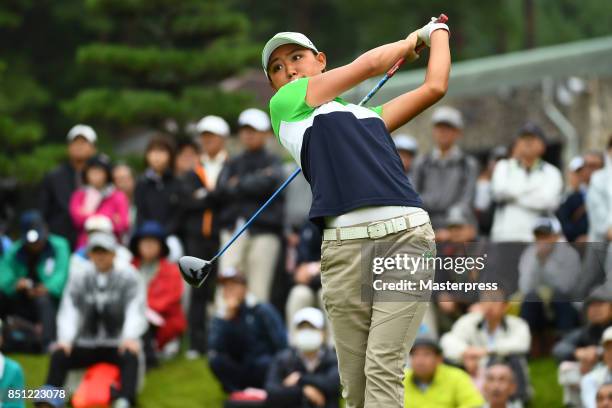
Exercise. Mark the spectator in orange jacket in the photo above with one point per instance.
(164, 290)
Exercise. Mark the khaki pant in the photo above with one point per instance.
(372, 333)
(256, 257)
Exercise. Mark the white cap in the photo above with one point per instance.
(576, 164)
(102, 240)
(311, 315)
(406, 142)
(606, 336)
(213, 124)
(447, 115)
(99, 223)
(255, 118)
(283, 38)
(82, 130)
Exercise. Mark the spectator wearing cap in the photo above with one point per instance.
(11, 378)
(490, 333)
(99, 196)
(33, 274)
(446, 176)
(59, 184)
(101, 319)
(499, 387)
(244, 335)
(164, 290)
(604, 396)
(157, 189)
(247, 181)
(187, 157)
(483, 198)
(407, 148)
(548, 271)
(431, 383)
(305, 375)
(524, 187)
(572, 211)
(462, 242)
(199, 225)
(600, 375)
(578, 351)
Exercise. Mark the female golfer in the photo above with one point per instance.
(365, 204)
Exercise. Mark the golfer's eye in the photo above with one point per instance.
(276, 68)
(297, 57)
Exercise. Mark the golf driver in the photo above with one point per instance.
(196, 270)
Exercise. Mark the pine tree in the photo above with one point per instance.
(161, 60)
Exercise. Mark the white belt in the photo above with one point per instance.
(377, 229)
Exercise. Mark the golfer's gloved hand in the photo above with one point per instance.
(424, 32)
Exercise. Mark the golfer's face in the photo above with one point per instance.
(289, 62)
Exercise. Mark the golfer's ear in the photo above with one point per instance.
(322, 59)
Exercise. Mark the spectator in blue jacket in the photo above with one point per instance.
(244, 336)
(305, 375)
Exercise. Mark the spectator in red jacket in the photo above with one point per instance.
(164, 290)
(99, 196)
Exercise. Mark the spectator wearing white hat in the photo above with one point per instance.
(247, 181)
(446, 176)
(407, 148)
(572, 211)
(305, 375)
(59, 184)
(199, 224)
(600, 375)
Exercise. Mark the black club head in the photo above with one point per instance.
(194, 270)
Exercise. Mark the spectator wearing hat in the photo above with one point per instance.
(500, 386)
(59, 184)
(490, 333)
(11, 378)
(446, 176)
(247, 181)
(99, 196)
(101, 319)
(572, 211)
(524, 187)
(548, 271)
(462, 242)
(187, 157)
(157, 190)
(199, 225)
(600, 375)
(578, 351)
(33, 274)
(305, 375)
(407, 148)
(244, 335)
(164, 290)
(604, 396)
(431, 383)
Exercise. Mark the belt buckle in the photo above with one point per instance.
(374, 232)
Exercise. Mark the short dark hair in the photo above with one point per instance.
(610, 142)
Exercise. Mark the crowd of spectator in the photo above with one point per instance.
(92, 277)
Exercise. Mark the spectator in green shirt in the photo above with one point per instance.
(33, 274)
(11, 378)
(431, 384)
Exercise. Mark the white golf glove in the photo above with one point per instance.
(424, 33)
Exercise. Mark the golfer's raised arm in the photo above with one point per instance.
(325, 87)
(400, 110)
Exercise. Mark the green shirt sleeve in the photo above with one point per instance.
(289, 104)
(57, 280)
(376, 109)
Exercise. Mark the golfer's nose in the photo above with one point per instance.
(291, 72)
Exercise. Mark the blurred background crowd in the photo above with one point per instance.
(174, 152)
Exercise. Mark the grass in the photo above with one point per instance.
(189, 383)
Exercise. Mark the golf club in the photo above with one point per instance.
(196, 270)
